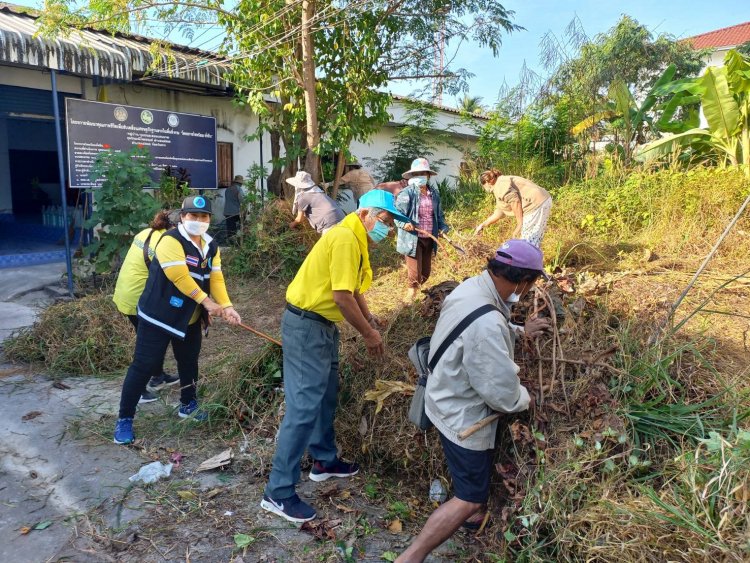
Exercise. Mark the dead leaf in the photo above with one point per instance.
(60, 385)
(521, 433)
(362, 426)
(219, 460)
(384, 389)
(186, 495)
(345, 509)
(395, 527)
(212, 493)
(31, 415)
(329, 493)
(322, 529)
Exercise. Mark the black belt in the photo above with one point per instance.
(309, 314)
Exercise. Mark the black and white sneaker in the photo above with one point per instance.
(320, 472)
(293, 508)
(148, 397)
(159, 382)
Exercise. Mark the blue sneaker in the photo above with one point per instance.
(338, 468)
(192, 411)
(124, 431)
(293, 508)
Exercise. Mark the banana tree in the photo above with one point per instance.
(725, 99)
(631, 119)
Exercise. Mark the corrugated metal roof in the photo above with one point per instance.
(96, 54)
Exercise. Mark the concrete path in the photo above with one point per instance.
(47, 474)
(24, 292)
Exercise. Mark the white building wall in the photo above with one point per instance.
(464, 138)
(233, 124)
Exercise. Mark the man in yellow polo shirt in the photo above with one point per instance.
(328, 288)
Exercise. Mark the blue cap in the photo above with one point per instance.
(383, 200)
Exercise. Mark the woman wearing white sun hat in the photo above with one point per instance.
(421, 203)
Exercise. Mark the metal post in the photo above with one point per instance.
(263, 168)
(61, 171)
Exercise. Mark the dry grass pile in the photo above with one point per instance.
(245, 389)
(268, 248)
(88, 336)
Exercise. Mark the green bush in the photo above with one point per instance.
(121, 208)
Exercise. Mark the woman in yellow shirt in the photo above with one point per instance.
(130, 283)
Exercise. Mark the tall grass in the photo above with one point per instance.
(667, 211)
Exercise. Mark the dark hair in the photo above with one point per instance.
(161, 220)
(513, 274)
(490, 176)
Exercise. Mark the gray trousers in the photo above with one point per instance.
(311, 384)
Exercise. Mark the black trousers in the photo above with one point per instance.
(233, 225)
(150, 346)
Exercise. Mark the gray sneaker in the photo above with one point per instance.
(148, 397)
(159, 382)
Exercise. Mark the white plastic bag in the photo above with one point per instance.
(152, 472)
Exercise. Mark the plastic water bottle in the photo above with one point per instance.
(437, 491)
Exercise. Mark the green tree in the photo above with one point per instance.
(471, 104)
(294, 53)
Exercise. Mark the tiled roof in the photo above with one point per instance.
(724, 37)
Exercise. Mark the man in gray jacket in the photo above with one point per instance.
(475, 377)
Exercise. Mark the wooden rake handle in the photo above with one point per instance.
(262, 335)
(478, 426)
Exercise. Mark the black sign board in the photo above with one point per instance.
(178, 140)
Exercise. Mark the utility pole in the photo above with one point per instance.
(312, 160)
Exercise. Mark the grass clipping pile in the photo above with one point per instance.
(88, 336)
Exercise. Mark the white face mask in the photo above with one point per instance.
(419, 181)
(195, 228)
(514, 297)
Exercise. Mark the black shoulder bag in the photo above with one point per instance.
(419, 354)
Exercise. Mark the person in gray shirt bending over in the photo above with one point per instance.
(475, 377)
(312, 202)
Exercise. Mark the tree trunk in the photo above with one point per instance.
(339, 172)
(312, 160)
(274, 178)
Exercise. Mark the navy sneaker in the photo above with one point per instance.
(124, 431)
(293, 508)
(159, 382)
(148, 397)
(192, 411)
(338, 468)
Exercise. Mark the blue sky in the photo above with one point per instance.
(681, 18)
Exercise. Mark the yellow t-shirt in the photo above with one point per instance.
(134, 273)
(339, 261)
